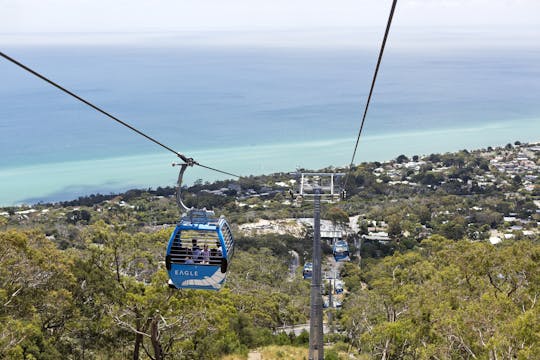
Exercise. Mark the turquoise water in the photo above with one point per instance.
(66, 180)
(247, 112)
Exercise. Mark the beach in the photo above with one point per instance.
(68, 180)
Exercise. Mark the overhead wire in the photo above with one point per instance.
(191, 161)
(184, 158)
(381, 52)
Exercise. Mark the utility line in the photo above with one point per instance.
(389, 23)
(184, 158)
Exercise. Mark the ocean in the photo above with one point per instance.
(247, 111)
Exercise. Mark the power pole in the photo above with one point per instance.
(316, 341)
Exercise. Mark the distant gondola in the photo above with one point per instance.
(199, 250)
(307, 273)
(340, 250)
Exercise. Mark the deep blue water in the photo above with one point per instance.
(196, 99)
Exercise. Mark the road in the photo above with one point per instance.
(334, 268)
(298, 329)
(254, 356)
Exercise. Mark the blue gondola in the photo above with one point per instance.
(307, 273)
(200, 249)
(340, 250)
(338, 286)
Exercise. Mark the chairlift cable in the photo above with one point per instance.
(381, 52)
(217, 170)
(184, 158)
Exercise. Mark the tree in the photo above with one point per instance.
(430, 178)
(363, 228)
(36, 306)
(423, 213)
(402, 159)
(448, 300)
(76, 216)
(394, 226)
(454, 229)
(3, 222)
(337, 216)
(488, 217)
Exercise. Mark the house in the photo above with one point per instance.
(235, 186)
(377, 237)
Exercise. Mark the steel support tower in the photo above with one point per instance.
(316, 341)
(317, 187)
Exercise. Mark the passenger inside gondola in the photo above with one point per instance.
(178, 251)
(205, 254)
(183, 253)
(216, 254)
(195, 251)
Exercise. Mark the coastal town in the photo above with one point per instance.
(510, 174)
(512, 170)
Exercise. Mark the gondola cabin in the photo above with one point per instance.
(307, 273)
(338, 287)
(340, 251)
(199, 251)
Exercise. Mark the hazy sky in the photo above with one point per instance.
(89, 16)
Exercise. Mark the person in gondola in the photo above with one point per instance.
(205, 255)
(216, 254)
(189, 260)
(184, 253)
(195, 251)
